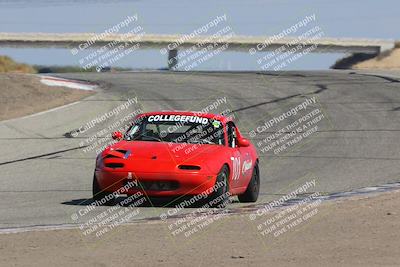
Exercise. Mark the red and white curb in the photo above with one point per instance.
(74, 84)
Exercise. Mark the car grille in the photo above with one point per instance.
(156, 185)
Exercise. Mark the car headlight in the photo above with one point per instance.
(99, 162)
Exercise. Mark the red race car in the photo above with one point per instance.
(175, 153)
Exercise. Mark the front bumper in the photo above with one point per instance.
(155, 183)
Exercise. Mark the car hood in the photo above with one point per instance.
(161, 150)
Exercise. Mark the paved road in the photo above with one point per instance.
(45, 172)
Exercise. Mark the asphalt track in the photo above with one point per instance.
(45, 174)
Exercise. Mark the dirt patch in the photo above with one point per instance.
(22, 94)
(386, 61)
(355, 232)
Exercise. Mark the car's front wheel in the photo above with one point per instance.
(253, 188)
(100, 196)
(220, 196)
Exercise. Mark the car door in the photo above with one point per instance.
(235, 156)
(247, 163)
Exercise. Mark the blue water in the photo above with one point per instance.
(340, 18)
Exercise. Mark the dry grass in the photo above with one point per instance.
(9, 65)
(386, 61)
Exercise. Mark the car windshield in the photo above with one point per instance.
(176, 129)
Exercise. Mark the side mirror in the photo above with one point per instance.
(116, 135)
(243, 142)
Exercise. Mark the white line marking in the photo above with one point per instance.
(74, 84)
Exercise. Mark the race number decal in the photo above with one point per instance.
(236, 168)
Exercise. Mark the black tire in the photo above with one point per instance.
(101, 196)
(220, 197)
(253, 188)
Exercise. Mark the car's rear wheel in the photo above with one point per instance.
(101, 196)
(253, 188)
(220, 197)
